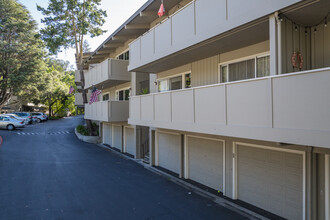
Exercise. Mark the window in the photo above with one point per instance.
(175, 82)
(246, 69)
(106, 97)
(124, 56)
(122, 95)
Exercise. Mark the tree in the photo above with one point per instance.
(21, 51)
(58, 82)
(67, 23)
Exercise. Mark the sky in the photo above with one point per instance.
(118, 12)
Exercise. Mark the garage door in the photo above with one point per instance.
(107, 135)
(117, 136)
(205, 161)
(169, 148)
(130, 141)
(271, 180)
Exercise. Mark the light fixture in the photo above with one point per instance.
(295, 28)
(315, 30)
(280, 17)
(155, 83)
(326, 22)
(306, 31)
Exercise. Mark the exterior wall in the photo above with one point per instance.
(206, 71)
(314, 46)
(112, 90)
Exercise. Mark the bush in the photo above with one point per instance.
(54, 118)
(82, 130)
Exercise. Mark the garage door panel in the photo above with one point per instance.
(276, 178)
(107, 135)
(117, 137)
(130, 141)
(205, 161)
(169, 147)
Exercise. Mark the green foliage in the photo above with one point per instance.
(68, 21)
(145, 91)
(54, 118)
(21, 52)
(58, 81)
(82, 130)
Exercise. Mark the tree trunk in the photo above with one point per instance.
(84, 95)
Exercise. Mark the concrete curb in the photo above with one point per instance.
(220, 201)
(87, 139)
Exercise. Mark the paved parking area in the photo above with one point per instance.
(50, 174)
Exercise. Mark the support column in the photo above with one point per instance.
(327, 187)
(279, 46)
(273, 45)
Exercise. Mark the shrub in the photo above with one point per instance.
(82, 130)
(54, 118)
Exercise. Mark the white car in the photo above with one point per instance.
(10, 123)
(26, 120)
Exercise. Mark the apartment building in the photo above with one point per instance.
(238, 98)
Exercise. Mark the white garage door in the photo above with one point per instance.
(107, 135)
(117, 136)
(271, 180)
(130, 141)
(169, 147)
(205, 161)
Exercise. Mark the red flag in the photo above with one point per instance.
(161, 10)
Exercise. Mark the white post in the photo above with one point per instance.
(327, 187)
(273, 45)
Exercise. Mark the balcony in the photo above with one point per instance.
(107, 111)
(110, 72)
(291, 108)
(202, 21)
(78, 101)
(77, 77)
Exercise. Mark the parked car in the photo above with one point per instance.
(25, 120)
(39, 116)
(24, 115)
(10, 123)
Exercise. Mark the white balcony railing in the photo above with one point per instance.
(196, 22)
(290, 108)
(77, 76)
(107, 111)
(110, 69)
(78, 101)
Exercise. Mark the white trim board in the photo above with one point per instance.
(327, 187)
(303, 153)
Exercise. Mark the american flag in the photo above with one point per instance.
(161, 10)
(94, 96)
(71, 90)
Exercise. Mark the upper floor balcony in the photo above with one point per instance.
(107, 111)
(204, 27)
(109, 73)
(78, 100)
(77, 77)
(289, 108)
